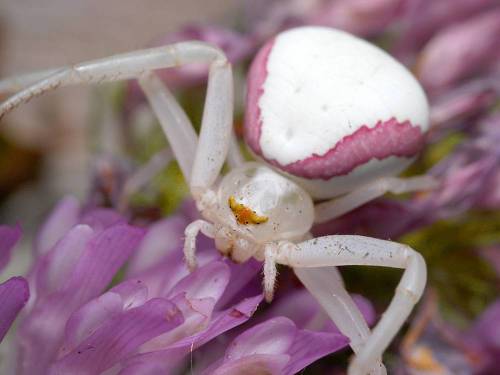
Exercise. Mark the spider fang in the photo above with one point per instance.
(243, 214)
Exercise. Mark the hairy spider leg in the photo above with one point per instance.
(327, 286)
(343, 250)
(339, 206)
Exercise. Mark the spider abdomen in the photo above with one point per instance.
(332, 110)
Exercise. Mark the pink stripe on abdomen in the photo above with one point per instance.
(385, 139)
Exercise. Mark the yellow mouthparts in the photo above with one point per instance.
(243, 214)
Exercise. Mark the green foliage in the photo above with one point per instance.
(466, 283)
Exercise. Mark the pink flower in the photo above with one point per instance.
(466, 48)
(276, 346)
(160, 313)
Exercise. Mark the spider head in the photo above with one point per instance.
(262, 205)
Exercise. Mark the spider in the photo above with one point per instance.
(330, 119)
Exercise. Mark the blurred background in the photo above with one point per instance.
(36, 35)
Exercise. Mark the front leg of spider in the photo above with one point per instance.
(357, 250)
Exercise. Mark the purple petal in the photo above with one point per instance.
(196, 296)
(303, 309)
(208, 281)
(462, 187)
(487, 328)
(132, 292)
(106, 253)
(255, 364)
(41, 332)
(119, 337)
(100, 219)
(383, 218)
(425, 18)
(14, 294)
(464, 49)
(56, 267)
(8, 238)
(484, 336)
(61, 219)
(219, 324)
(310, 346)
(162, 238)
(163, 276)
(85, 321)
(360, 17)
(463, 103)
(274, 336)
(241, 275)
(280, 337)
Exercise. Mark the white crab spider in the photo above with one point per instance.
(312, 92)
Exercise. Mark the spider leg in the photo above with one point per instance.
(215, 135)
(177, 126)
(270, 271)
(339, 206)
(118, 67)
(191, 232)
(358, 250)
(234, 157)
(20, 82)
(173, 120)
(327, 286)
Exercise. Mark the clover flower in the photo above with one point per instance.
(81, 319)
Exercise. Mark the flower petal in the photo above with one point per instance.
(303, 309)
(100, 219)
(196, 296)
(360, 17)
(310, 346)
(8, 238)
(170, 356)
(119, 337)
(56, 267)
(162, 238)
(241, 275)
(277, 338)
(41, 332)
(61, 219)
(14, 294)
(255, 364)
(85, 321)
(465, 48)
